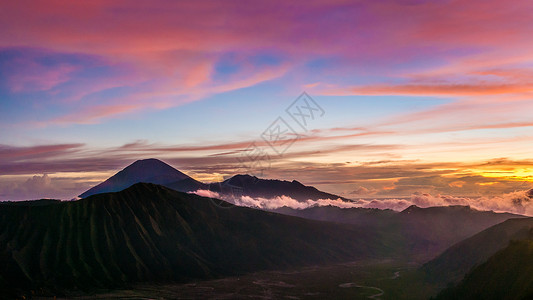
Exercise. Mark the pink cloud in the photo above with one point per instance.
(434, 90)
(30, 76)
(120, 29)
(93, 114)
(165, 94)
(13, 153)
(176, 44)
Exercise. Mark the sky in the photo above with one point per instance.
(402, 98)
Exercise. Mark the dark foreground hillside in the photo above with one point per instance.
(426, 232)
(150, 233)
(454, 263)
(506, 275)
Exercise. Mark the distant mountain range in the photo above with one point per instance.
(270, 188)
(426, 231)
(157, 172)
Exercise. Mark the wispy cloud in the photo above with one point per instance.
(444, 90)
(520, 202)
(172, 51)
(13, 153)
(380, 178)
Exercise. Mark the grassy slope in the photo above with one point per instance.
(426, 232)
(506, 275)
(151, 233)
(455, 262)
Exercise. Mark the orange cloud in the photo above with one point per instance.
(434, 90)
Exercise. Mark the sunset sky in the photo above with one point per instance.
(416, 96)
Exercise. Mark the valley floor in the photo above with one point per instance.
(385, 279)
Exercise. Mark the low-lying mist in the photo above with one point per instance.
(519, 202)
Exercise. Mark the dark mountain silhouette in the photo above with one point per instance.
(506, 275)
(455, 262)
(356, 215)
(270, 188)
(146, 170)
(434, 229)
(157, 172)
(425, 231)
(30, 202)
(151, 233)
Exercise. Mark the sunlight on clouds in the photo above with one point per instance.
(520, 202)
(516, 174)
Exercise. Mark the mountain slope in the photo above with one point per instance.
(157, 172)
(455, 262)
(506, 275)
(151, 233)
(146, 170)
(355, 215)
(270, 188)
(425, 231)
(434, 229)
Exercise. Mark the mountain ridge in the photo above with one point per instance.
(148, 232)
(451, 265)
(508, 274)
(158, 172)
(252, 186)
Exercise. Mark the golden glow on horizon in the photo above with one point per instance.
(516, 174)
